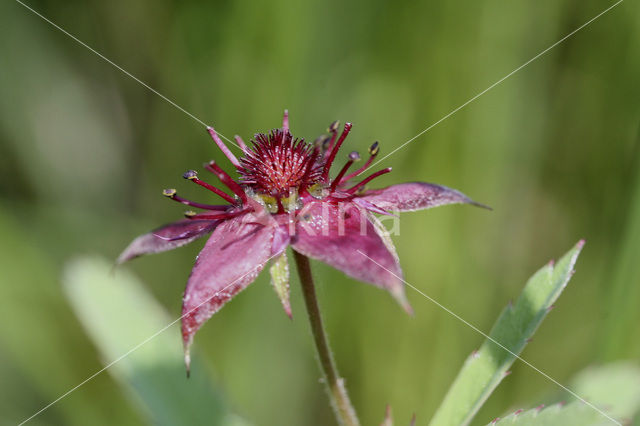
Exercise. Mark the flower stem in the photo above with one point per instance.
(342, 407)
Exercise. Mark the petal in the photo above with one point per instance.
(344, 237)
(167, 237)
(371, 207)
(231, 260)
(413, 196)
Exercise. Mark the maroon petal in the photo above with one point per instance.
(231, 260)
(371, 207)
(168, 237)
(416, 196)
(344, 237)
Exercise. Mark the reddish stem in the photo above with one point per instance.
(335, 384)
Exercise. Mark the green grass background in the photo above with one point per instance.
(555, 150)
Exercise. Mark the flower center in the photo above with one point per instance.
(278, 162)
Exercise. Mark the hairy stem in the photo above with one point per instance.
(335, 384)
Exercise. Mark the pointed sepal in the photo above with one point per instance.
(280, 280)
(412, 196)
(168, 237)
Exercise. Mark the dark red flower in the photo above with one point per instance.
(285, 196)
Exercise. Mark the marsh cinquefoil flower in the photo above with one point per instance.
(284, 196)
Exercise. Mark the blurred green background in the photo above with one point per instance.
(555, 150)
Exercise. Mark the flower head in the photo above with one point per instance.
(284, 196)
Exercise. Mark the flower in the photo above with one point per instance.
(283, 197)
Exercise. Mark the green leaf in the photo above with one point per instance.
(280, 280)
(615, 386)
(575, 413)
(141, 345)
(485, 368)
(42, 350)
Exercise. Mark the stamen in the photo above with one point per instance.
(172, 193)
(373, 152)
(226, 179)
(223, 147)
(192, 175)
(320, 140)
(285, 121)
(321, 143)
(334, 150)
(240, 142)
(355, 188)
(353, 157)
(374, 148)
(193, 215)
(328, 142)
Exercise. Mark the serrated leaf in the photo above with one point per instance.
(280, 279)
(575, 413)
(484, 369)
(612, 388)
(615, 386)
(141, 350)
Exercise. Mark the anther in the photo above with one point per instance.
(189, 213)
(325, 143)
(333, 127)
(322, 142)
(374, 148)
(191, 175)
(353, 156)
(373, 151)
(169, 192)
